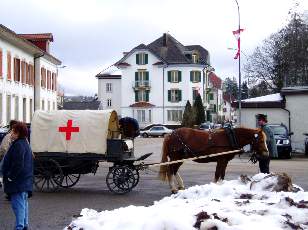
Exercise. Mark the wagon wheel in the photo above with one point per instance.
(136, 175)
(48, 176)
(120, 179)
(70, 180)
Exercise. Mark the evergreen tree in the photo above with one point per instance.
(199, 111)
(230, 86)
(188, 116)
(245, 94)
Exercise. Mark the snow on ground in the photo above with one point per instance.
(246, 203)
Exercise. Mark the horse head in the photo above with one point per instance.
(259, 145)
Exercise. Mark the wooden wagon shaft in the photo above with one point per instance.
(193, 158)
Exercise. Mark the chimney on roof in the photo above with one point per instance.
(165, 39)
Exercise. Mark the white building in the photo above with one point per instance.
(290, 107)
(109, 89)
(159, 78)
(228, 110)
(28, 75)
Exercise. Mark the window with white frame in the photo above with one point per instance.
(195, 76)
(108, 87)
(16, 108)
(142, 95)
(174, 76)
(194, 58)
(109, 102)
(174, 95)
(140, 115)
(141, 59)
(175, 115)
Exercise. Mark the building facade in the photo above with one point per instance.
(158, 79)
(109, 89)
(28, 75)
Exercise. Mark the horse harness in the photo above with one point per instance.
(233, 141)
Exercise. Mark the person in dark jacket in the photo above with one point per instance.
(130, 127)
(18, 174)
(270, 142)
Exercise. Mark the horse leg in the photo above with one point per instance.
(175, 177)
(178, 177)
(218, 171)
(223, 169)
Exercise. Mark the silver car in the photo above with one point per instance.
(156, 131)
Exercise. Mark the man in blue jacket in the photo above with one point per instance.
(18, 174)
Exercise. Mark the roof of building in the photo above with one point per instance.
(77, 105)
(294, 90)
(142, 104)
(267, 101)
(26, 45)
(215, 80)
(266, 98)
(170, 51)
(228, 97)
(37, 37)
(112, 72)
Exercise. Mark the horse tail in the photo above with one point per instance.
(164, 171)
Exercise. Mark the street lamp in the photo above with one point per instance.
(239, 69)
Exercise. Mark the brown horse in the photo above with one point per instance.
(185, 143)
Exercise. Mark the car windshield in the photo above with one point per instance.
(279, 130)
(205, 126)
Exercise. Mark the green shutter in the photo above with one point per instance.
(180, 76)
(180, 95)
(137, 59)
(136, 76)
(146, 59)
(214, 108)
(199, 76)
(191, 75)
(136, 96)
(169, 95)
(211, 96)
(169, 76)
(147, 96)
(147, 75)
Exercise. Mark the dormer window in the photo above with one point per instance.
(141, 59)
(194, 58)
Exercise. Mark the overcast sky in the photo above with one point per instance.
(90, 35)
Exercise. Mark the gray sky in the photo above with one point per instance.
(89, 35)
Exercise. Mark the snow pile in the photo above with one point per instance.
(246, 203)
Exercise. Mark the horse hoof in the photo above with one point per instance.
(174, 191)
(181, 188)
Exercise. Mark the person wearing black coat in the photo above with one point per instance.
(18, 174)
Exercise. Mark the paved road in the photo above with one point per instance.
(50, 211)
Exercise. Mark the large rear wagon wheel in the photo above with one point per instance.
(70, 180)
(48, 176)
(120, 179)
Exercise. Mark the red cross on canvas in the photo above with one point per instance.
(69, 129)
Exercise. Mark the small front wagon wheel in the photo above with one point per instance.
(120, 179)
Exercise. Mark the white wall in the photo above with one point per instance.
(298, 106)
(115, 95)
(14, 89)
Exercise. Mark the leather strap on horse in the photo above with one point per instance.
(232, 137)
(192, 158)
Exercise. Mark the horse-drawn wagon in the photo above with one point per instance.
(67, 144)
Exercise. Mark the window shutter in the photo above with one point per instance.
(146, 59)
(9, 67)
(137, 59)
(147, 96)
(136, 76)
(1, 63)
(180, 76)
(199, 76)
(169, 95)
(180, 95)
(136, 96)
(147, 75)
(169, 76)
(191, 76)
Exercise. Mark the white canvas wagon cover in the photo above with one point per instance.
(73, 131)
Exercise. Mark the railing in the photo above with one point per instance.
(141, 84)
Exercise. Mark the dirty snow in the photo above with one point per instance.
(228, 205)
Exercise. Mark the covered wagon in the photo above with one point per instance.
(67, 144)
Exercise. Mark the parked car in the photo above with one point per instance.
(283, 140)
(156, 131)
(306, 143)
(217, 126)
(205, 126)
